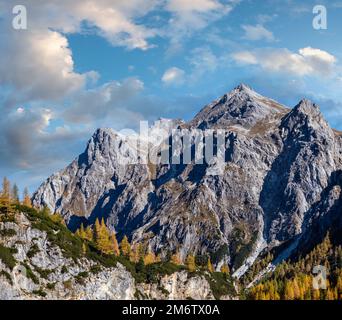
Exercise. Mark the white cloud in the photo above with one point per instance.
(173, 76)
(258, 32)
(115, 20)
(308, 61)
(38, 65)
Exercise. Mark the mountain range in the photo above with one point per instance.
(278, 189)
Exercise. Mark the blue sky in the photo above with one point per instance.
(81, 65)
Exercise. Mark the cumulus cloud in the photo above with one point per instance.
(173, 76)
(38, 65)
(115, 20)
(308, 61)
(257, 32)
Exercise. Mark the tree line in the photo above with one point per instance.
(9, 196)
(107, 243)
(293, 280)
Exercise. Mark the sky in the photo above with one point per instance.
(85, 64)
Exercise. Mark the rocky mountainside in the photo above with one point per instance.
(279, 185)
(41, 259)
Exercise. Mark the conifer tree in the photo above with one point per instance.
(289, 293)
(5, 197)
(210, 266)
(81, 232)
(125, 247)
(190, 263)
(136, 253)
(102, 237)
(89, 235)
(149, 258)
(225, 269)
(15, 194)
(27, 199)
(6, 187)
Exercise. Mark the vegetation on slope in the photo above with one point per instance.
(293, 280)
(100, 245)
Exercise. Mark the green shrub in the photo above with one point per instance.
(57, 233)
(44, 273)
(33, 251)
(81, 277)
(7, 233)
(51, 286)
(6, 256)
(220, 284)
(95, 269)
(7, 276)
(64, 269)
(30, 274)
(40, 293)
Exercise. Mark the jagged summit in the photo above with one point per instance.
(244, 89)
(306, 118)
(308, 107)
(242, 106)
(242, 86)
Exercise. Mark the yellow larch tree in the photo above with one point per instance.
(225, 269)
(27, 199)
(190, 263)
(210, 266)
(125, 247)
(149, 258)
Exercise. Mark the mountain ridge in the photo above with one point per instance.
(278, 163)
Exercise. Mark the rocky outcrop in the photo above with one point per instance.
(32, 267)
(278, 164)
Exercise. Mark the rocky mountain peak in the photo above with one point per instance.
(242, 106)
(307, 107)
(306, 119)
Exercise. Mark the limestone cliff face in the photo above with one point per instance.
(40, 269)
(281, 166)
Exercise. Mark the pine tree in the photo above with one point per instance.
(125, 247)
(190, 263)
